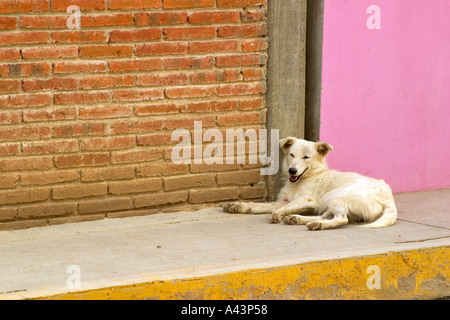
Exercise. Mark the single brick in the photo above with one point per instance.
(163, 168)
(79, 36)
(46, 147)
(24, 37)
(23, 196)
(147, 34)
(50, 114)
(194, 181)
(159, 18)
(8, 181)
(32, 163)
(214, 195)
(79, 67)
(79, 191)
(133, 4)
(105, 112)
(61, 5)
(158, 199)
(107, 205)
(81, 160)
(135, 186)
(48, 177)
(188, 4)
(239, 177)
(136, 156)
(47, 210)
(12, 6)
(101, 51)
(109, 173)
(107, 143)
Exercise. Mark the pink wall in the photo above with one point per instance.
(386, 92)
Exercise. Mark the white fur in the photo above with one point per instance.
(333, 198)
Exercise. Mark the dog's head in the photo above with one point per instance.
(302, 158)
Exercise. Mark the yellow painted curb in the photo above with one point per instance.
(415, 274)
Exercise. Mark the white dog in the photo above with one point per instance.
(333, 198)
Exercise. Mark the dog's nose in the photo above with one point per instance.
(292, 171)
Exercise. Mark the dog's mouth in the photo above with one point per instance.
(294, 179)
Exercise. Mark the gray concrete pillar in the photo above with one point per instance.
(286, 71)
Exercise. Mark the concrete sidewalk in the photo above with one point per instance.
(209, 254)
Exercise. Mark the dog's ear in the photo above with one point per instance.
(286, 143)
(323, 148)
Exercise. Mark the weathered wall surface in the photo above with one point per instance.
(87, 115)
(385, 100)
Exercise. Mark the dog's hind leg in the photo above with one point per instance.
(339, 219)
(252, 207)
(299, 219)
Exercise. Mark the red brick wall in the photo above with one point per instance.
(86, 115)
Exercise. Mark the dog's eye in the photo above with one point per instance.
(292, 155)
(306, 157)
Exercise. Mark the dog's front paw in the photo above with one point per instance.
(236, 207)
(316, 225)
(276, 217)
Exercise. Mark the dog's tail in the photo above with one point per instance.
(388, 216)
